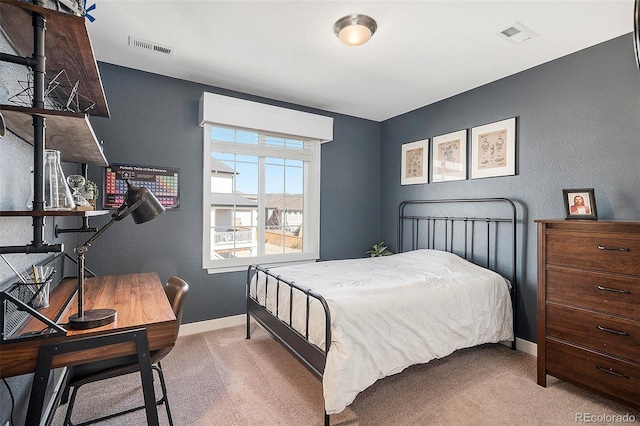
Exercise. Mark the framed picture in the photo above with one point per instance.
(493, 149)
(415, 162)
(449, 157)
(579, 204)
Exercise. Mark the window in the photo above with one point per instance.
(261, 194)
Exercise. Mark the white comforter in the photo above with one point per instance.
(391, 312)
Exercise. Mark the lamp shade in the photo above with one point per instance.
(150, 207)
(354, 30)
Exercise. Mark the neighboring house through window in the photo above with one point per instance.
(261, 183)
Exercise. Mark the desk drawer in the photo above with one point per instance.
(614, 335)
(614, 377)
(609, 293)
(596, 252)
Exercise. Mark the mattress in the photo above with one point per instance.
(388, 313)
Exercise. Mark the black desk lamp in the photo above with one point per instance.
(143, 206)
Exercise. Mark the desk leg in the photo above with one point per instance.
(45, 360)
(146, 375)
(39, 387)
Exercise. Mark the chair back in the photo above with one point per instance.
(176, 290)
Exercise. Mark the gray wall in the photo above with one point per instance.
(154, 121)
(578, 122)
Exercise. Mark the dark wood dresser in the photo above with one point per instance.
(589, 305)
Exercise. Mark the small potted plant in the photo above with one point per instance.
(90, 192)
(379, 250)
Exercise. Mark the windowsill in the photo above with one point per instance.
(237, 268)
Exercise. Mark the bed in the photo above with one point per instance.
(351, 322)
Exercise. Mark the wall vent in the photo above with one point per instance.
(517, 33)
(149, 45)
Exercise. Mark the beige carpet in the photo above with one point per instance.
(220, 378)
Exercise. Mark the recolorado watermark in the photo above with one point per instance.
(605, 418)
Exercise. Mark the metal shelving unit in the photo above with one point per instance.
(48, 41)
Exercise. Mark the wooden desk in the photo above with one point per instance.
(139, 300)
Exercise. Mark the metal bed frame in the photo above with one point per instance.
(432, 231)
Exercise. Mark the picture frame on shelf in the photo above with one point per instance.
(449, 157)
(415, 163)
(493, 149)
(580, 204)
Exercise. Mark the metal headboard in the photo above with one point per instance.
(475, 232)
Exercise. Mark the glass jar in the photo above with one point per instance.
(57, 195)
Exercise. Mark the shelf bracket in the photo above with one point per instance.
(32, 248)
(20, 60)
(84, 228)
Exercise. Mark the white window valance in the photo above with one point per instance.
(233, 112)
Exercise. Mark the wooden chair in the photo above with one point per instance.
(79, 375)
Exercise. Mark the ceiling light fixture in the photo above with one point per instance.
(354, 30)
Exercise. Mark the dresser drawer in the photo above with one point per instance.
(603, 252)
(614, 294)
(615, 377)
(614, 335)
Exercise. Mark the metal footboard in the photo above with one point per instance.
(297, 343)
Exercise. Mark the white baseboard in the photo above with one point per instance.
(216, 324)
(526, 346)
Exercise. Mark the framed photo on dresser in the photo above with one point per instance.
(580, 204)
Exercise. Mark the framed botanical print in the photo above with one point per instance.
(449, 157)
(415, 162)
(493, 149)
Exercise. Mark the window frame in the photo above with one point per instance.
(217, 110)
(311, 209)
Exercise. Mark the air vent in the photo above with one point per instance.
(149, 45)
(517, 33)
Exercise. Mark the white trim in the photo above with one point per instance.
(210, 325)
(311, 226)
(206, 199)
(233, 321)
(305, 154)
(524, 346)
(227, 111)
(268, 262)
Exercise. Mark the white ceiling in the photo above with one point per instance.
(422, 52)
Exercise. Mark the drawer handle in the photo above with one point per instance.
(608, 330)
(599, 247)
(615, 290)
(612, 372)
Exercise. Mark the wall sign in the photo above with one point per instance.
(163, 182)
